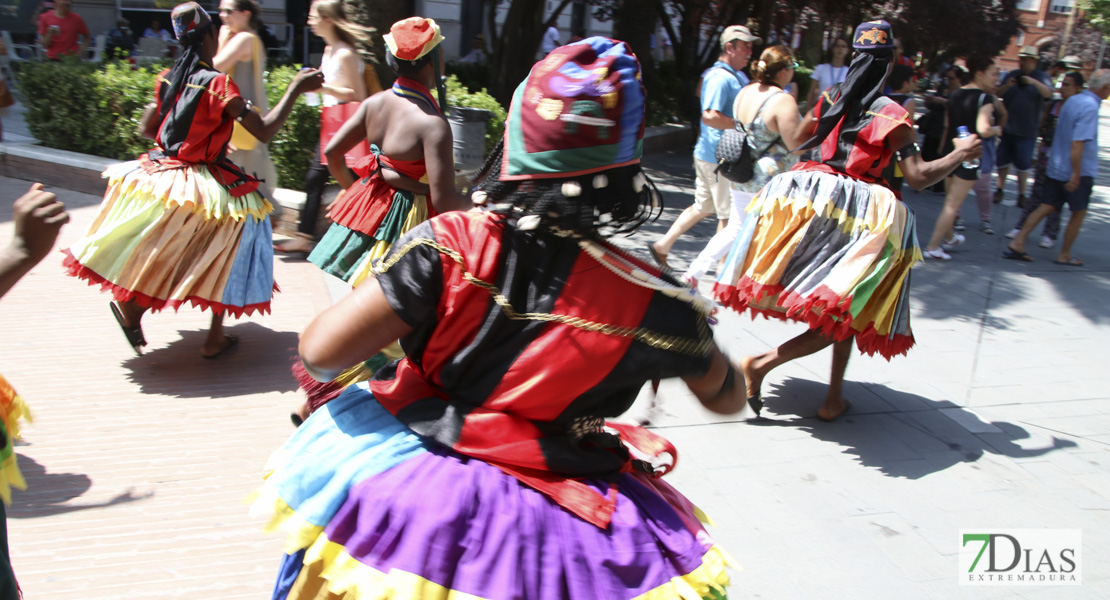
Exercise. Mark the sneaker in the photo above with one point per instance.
(986, 228)
(952, 243)
(1047, 242)
(938, 254)
(1013, 234)
(959, 224)
(997, 196)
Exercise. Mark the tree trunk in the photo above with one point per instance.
(514, 51)
(634, 25)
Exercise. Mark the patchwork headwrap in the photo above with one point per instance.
(189, 19)
(410, 39)
(580, 110)
(872, 35)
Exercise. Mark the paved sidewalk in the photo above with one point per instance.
(997, 419)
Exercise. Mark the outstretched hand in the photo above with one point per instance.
(38, 217)
(308, 80)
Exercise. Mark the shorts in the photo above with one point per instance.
(1055, 194)
(711, 191)
(1015, 150)
(965, 173)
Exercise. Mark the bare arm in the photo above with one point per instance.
(355, 90)
(1046, 92)
(265, 127)
(351, 331)
(439, 157)
(983, 122)
(790, 125)
(38, 217)
(236, 48)
(1076, 165)
(921, 174)
(722, 389)
(717, 119)
(148, 123)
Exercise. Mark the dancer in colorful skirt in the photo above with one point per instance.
(828, 243)
(387, 193)
(38, 218)
(481, 465)
(408, 135)
(183, 224)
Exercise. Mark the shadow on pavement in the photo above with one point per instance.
(259, 364)
(898, 433)
(48, 493)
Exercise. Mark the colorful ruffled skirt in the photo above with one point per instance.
(830, 251)
(373, 510)
(167, 236)
(368, 218)
(13, 410)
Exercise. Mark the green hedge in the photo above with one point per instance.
(95, 109)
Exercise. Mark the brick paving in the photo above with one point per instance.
(138, 466)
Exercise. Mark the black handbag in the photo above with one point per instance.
(735, 158)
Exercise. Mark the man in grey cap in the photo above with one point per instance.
(1023, 91)
(719, 87)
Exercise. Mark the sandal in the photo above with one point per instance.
(232, 341)
(1012, 254)
(134, 334)
(756, 403)
(659, 258)
(1071, 262)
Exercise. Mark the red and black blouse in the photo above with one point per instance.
(502, 363)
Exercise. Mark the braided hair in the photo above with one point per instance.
(596, 205)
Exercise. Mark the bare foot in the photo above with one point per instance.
(832, 409)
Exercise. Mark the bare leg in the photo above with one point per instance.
(216, 341)
(755, 368)
(954, 198)
(1075, 221)
(1003, 173)
(835, 405)
(1018, 243)
(687, 219)
(1022, 176)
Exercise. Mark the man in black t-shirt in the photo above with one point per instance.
(1023, 91)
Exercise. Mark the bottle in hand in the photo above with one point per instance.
(962, 132)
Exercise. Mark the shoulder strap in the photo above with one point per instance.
(734, 74)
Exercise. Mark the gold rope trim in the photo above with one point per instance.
(902, 120)
(222, 96)
(683, 345)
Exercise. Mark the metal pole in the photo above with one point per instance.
(1101, 50)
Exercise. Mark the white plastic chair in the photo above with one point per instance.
(20, 52)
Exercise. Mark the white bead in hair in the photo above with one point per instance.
(600, 181)
(572, 189)
(479, 197)
(638, 182)
(528, 223)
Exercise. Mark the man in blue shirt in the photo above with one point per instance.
(719, 87)
(1072, 166)
(1023, 91)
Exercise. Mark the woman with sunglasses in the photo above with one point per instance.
(243, 57)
